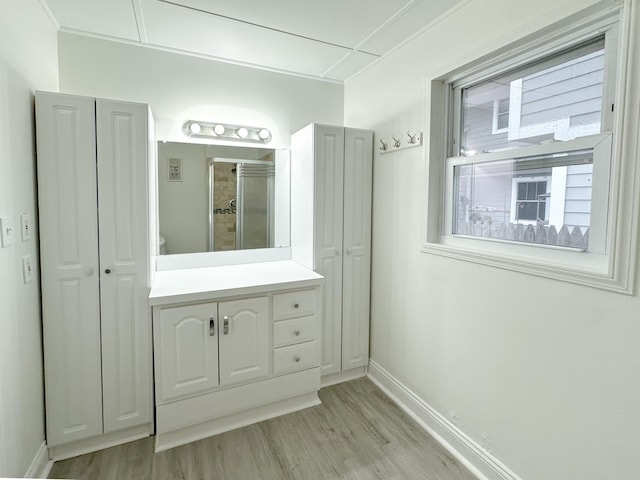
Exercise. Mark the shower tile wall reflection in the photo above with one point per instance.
(224, 198)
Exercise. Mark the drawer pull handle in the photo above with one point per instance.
(212, 327)
(296, 359)
(296, 305)
(296, 333)
(225, 325)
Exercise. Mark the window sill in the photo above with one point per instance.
(578, 267)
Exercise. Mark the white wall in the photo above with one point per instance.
(542, 373)
(180, 87)
(28, 61)
(182, 205)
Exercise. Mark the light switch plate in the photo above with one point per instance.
(6, 228)
(27, 268)
(25, 226)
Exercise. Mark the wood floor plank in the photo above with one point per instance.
(357, 434)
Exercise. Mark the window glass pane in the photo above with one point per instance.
(557, 99)
(543, 200)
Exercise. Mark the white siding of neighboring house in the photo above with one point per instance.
(569, 94)
(560, 102)
(577, 206)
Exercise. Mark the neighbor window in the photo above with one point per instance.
(527, 178)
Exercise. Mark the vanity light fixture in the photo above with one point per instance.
(223, 131)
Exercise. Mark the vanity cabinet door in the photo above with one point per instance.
(244, 340)
(187, 348)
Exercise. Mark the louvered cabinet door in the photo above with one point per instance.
(123, 199)
(69, 266)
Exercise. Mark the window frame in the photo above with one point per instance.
(609, 267)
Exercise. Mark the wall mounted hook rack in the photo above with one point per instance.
(394, 143)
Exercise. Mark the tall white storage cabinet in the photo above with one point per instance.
(93, 184)
(331, 187)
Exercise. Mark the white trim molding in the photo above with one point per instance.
(466, 450)
(41, 464)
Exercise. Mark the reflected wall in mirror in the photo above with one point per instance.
(214, 198)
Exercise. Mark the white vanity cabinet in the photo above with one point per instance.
(212, 344)
(331, 188)
(233, 345)
(94, 168)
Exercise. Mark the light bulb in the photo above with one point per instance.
(264, 134)
(218, 129)
(242, 132)
(195, 128)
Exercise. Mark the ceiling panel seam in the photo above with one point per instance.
(50, 14)
(245, 22)
(137, 13)
(163, 48)
(458, 6)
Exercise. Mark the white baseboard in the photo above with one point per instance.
(334, 378)
(40, 465)
(480, 462)
(167, 440)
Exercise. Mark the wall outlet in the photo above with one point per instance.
(6, 228)
(27, 268)
(25, 226)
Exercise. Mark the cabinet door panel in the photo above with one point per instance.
(329, 165)
(124, 251)
(186, 351)
(245, 340)
(69, 266)
(356, 271)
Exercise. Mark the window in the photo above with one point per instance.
(528, 171)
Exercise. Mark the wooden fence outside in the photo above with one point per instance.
(567, 236)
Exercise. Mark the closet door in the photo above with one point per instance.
(328, 166)
(358, 181)
(69, 258)
(123, 198)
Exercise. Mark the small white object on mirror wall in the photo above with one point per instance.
(393, 143)
(175, 170)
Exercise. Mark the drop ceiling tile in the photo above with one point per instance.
(332, 21)
(114, 18)
(175, 27)
(411, 21)
(350, 65)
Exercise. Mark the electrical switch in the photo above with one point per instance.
(6, 229)
(27, 268)
(25, 226)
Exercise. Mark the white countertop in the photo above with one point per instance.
(210, 283)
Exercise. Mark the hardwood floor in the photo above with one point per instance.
(357, 433)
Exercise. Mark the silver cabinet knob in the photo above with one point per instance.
(296, 305)
(296, 359)
(296, 333)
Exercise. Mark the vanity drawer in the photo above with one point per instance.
(294, 304)
(295, 357)
(296, 330)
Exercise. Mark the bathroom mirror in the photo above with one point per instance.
(214, 198)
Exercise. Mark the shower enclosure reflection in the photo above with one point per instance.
(214, 198)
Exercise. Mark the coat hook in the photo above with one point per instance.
(412, 138)
(384, 146)
(396, 142)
